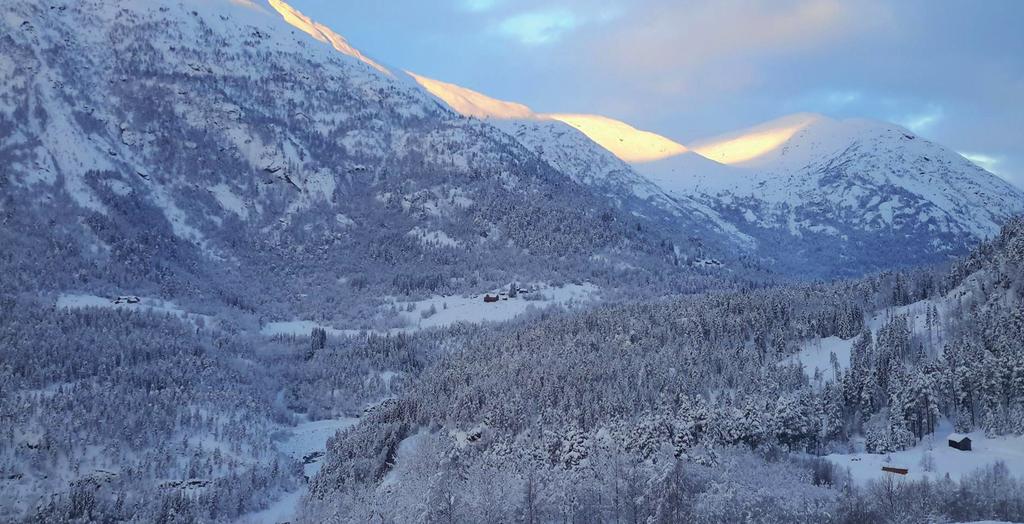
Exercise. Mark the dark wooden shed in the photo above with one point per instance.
(898, 471)
(960, 441)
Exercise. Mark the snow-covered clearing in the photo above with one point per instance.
(403, 458)
(816, 356)
(307, 444)
(449, 310)
(130, 303)
(916, 313)
(310, 438)
(453, 309)
(866, 466)
(433, 238)
(301, 328)
(282, 510)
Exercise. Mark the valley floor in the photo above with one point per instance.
(944, 460)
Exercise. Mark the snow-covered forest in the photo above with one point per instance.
(248, 274)
(689, 409)
(674, 410)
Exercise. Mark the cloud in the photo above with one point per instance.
(477, 6)
(922, 122)
(987, 162)
(539, 27)
(840, 99)
(682, 36)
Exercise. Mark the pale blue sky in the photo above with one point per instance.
(952, 71)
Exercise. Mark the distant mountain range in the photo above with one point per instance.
(241, 152)
(808, 194)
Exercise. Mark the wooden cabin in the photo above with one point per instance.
(960, 441)
(491, 298)
(898, 471)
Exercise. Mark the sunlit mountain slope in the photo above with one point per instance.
(625, 141)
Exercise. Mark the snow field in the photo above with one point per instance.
(865, 467)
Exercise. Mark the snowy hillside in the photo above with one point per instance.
(236, 142)
(803, 191)
(855, 195)
(621, 139)
(652, 402)
(574, 153)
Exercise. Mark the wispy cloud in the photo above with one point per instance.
(478, 6)
(987, 162)
(922, 122)
(541, 26)
(840, 99)
(683, 35)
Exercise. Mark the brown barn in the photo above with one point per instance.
(898, 471)
(489, 299)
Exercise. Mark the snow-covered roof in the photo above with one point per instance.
(958, 436)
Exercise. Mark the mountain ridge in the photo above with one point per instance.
(239, 151)
(803, 181)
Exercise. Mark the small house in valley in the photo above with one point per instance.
(960, 441)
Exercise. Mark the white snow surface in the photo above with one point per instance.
(311, 437)
(229, 200)
(864, 467)
(305, 439)
(453, 309)
(146, 304)
(301, 328)
(406, 449)
(816, 355)
(468, 308)
(282, 510)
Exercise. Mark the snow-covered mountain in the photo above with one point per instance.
(596, 151)
(308, 288)
(804, 194)
(236, 141)
(240, 151)
(623, 140)
(861, 193)
(572, 152)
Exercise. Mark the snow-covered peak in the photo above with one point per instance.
(754, 145)
(820, 179)
(623, 140)
(320, 32)
(471, 103)
(815, 137)
(691, 173)
(233, 19)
